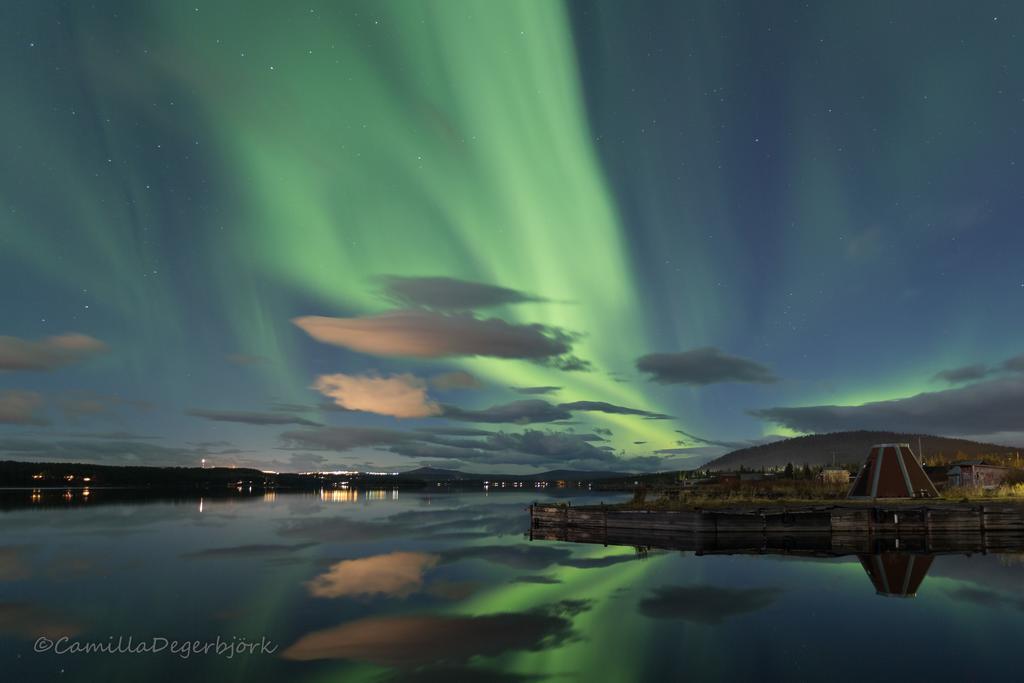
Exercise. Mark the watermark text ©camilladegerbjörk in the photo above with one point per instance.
(128, 645)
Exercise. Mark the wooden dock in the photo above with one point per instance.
(814, 530)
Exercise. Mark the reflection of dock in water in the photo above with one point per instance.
(896, 546)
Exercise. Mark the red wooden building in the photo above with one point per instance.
(892, 471)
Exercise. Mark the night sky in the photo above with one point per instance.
(505, 235)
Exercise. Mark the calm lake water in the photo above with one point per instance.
(412, 586)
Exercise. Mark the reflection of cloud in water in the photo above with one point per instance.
(459, 674)
(22, 619)
(986, 598)
(340, 529)
(532, 557)
(1000, 572)
(519, 556)
(13, 564)
(394, 574)
(417, 640)
(253, 550)
(705, 604)
(453, 590)
(467, 521)
(535, 578)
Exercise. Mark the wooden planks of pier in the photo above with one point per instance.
(823, 530)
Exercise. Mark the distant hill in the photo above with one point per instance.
(848, 448)
(436, 474)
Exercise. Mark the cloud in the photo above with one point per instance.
(731, 445)
(970, 373)
(530, 447)
(251, 418)
(347, 438)
(306, 462)
(279, 407)
(612, 409)
(700, 367)
(21, 408)
(459, 379)
(533, 391)
(692, 453)
(395, 574)
(117, 436)
(416, 640)
(1015, 364)
(428, 334)
(403, 396)
(50, 353)
(518, 412)
(546, 449)
(527, 411)
(967, 373)
(704, 604)
(84, 404)
(445, 293)
(976, 409)
(108, 451)
(454, 431)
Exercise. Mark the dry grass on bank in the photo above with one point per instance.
(798, 493)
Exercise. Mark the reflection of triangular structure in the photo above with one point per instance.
(892, 471)
(896, 574)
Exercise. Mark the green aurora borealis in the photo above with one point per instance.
(184, 180)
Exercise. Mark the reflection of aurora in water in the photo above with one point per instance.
(448, 585)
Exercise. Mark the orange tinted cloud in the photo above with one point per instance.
(427, 334)
(402, 396)
(21, 407)
(49, 353)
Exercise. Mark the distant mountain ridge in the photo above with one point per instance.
(847, 448)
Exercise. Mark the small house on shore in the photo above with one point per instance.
(833, 475)
(892, 471)
(970, 473)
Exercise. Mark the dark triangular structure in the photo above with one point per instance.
(896, 575)
(892, 471)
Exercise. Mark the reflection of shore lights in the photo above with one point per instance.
(339, 495)
(36, 496)
(269, 496)
(200, 505)
(67, 495)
